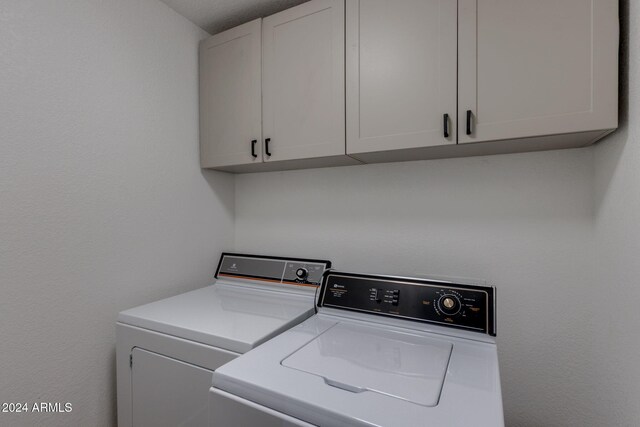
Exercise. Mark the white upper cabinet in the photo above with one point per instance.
(401, 74)
(230, 95)
(303, 82)
(533, 68)
(337, 82)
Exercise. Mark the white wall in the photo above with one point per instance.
(557, 232)
(102, 202)
(614, 354)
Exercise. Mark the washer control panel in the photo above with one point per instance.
(457, 305)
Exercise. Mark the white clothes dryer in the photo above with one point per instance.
(382, 351)
(167, 351)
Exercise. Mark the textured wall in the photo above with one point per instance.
(102, 202)
(557, 232)
(614, 354)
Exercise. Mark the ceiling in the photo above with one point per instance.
(218, 15)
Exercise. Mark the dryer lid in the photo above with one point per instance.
(359, 358)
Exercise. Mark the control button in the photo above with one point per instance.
(302, 273)
(448, 303)
(395, 297)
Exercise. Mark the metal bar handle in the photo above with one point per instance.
(253, 148)
(469, 122)
(266, 146)
(445, 125)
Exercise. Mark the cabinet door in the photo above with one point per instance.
(531, 68)
(303, 81)
(401, 74)
(230, 97)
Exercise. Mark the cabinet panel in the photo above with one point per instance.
(230, 97)
(303, 81)
(401, 74)
(537, 68)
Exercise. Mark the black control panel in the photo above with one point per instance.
(291, 271)
(457, 305)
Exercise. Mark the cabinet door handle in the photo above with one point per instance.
(253, 147)
(468, 122)
(445, 125)
(266, 146)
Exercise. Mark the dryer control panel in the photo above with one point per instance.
(288, 271)
(457, 305)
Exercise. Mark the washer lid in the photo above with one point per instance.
(359, 358)
(234, 318)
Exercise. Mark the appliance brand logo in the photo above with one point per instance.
(338, 286)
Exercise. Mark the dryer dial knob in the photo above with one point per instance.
(302, 273)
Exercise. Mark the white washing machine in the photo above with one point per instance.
(166, 351)
(382, 351)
